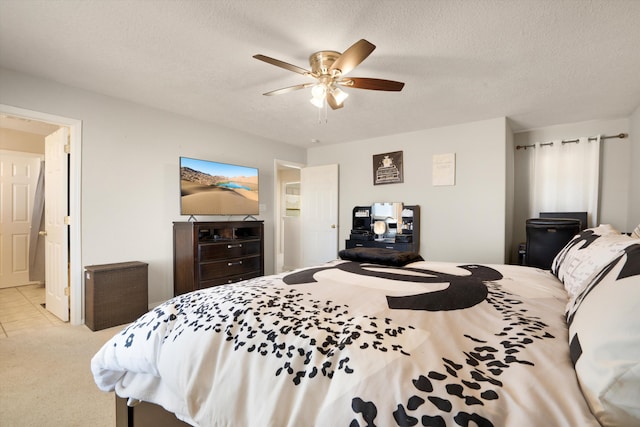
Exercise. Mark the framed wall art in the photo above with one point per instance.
(387, 168)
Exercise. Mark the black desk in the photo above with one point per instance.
(407, 247)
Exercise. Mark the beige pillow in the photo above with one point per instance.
(636, 232)
(586, 254)
(604, 336)
(604, 229)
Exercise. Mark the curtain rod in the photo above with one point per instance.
(568, 141)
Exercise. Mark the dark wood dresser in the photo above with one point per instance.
(209, 254)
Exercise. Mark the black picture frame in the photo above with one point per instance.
(388, 168)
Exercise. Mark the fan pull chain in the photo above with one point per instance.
(322, 113)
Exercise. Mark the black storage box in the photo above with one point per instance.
(546, 237)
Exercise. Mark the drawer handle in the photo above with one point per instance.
(239, 245)
(234, 263)
(239, 279)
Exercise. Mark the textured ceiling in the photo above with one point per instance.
(538, 62)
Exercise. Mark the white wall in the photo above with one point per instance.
(511, 256)
(130, 193)
(634, 187)
(465, 222)
(616, 185)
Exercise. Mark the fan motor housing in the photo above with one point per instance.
(321, 61)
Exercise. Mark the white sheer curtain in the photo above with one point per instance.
(565, 177)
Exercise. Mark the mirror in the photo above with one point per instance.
(292, 199)
(387, 220)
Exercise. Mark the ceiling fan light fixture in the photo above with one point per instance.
(319, 91)
(318, 95)
(317, 102)
(339, 95)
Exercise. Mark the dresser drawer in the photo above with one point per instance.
(221, 250)
(229, 279)
(229, 267)
(408, 247)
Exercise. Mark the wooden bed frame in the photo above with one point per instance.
(144, 415)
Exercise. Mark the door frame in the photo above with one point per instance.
(76, 306)
(277, 200)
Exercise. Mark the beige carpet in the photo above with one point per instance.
(45, 379)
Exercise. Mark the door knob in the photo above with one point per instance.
(42, 233)
(333, 226)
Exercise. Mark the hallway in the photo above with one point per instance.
(21, 311)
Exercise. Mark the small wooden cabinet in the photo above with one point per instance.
(115, 294)
(209, 254)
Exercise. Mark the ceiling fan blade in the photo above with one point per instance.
(282, 64)
(288, 89)
(353, 56)
(331, 100)
(372, 84)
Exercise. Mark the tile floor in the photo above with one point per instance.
(21, 311)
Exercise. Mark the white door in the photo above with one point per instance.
(55, 213)
(18, 181)
(319, 214)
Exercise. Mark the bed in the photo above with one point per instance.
(388, 339)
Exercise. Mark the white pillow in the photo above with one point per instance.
(604, 229)
(586, 254)
(604, 336)
(636, 232)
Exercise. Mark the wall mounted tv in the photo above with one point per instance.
(213, 188)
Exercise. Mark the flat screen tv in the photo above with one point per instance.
(214, 188)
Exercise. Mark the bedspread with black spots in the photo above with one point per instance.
(469, 381)
(474, 378)
(263, 319)
(314, 329)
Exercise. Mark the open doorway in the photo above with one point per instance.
(22, 149)
(287, 215)
(28, 121)
(306, 212)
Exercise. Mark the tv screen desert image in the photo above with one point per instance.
(212, 188)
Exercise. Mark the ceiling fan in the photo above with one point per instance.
(329, 67)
